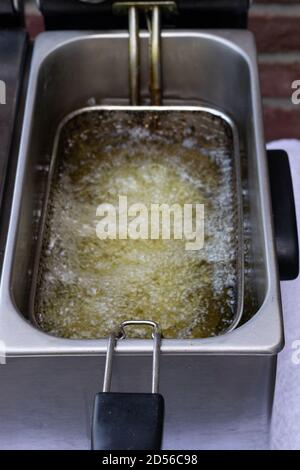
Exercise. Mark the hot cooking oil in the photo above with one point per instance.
(86, 285)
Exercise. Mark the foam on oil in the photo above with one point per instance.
(87, 286)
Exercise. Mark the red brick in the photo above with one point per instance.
(281, 122)
(34, 26)
(276, 29)
(276, 77)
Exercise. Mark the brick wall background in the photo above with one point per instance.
(276, 25)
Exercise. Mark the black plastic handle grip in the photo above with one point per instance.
(284, 214)
(127, 421)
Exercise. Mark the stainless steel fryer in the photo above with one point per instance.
(49, 79)
(220, 388)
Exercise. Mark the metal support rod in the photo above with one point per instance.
(155, 59)
(155, 364)
(109, 362)
(154, 8)
(134, 66)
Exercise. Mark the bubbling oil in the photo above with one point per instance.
(87, 286)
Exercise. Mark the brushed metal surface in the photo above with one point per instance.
(221, 402)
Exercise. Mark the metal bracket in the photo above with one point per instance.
(154, 25)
